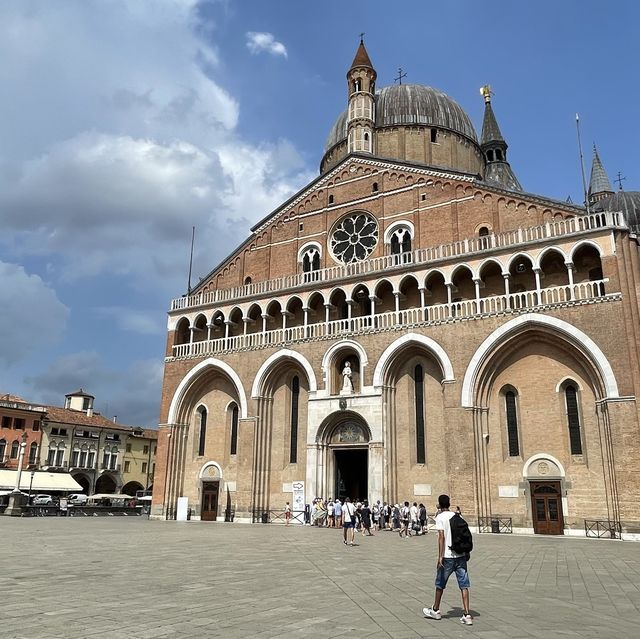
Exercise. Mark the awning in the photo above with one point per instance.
(42, 481)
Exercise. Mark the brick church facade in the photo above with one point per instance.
(413, 322)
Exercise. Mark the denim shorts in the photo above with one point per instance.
(457, 565)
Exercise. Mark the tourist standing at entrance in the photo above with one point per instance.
(337, 511)
(331, 519)
(422, 514)
(413, 513)
(449, 561)
(404, 520)
(348, 522)
(287, 513)
(366, 519)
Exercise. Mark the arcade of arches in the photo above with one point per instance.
(486, 420)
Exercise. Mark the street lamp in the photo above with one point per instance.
(33, 474)
(16, 501)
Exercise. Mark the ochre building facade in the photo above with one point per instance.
(413, 322)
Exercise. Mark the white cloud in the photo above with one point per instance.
(32, 316)
(133, 321)
(258, 42)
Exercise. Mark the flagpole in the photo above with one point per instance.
(584, 179)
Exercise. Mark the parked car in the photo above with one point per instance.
(77, 499)
(43, 500)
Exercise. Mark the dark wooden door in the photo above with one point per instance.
(209, 510)
(546, 506)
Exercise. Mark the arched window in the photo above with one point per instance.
(202, 431)
(490, 156)
(51, 455)
(357, 85)
(331, 199)
(512, 424)
(247, 281)
(499, 155)
(233, 449)
(573, 419)
(3, 448)
(15, 447)
(483, 231)
(311, 263)
(418, 378)
(295, 399)
(400, 242)
(374, 187)
(33, 453)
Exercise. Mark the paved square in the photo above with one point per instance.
(120, 578)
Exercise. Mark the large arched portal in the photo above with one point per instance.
(344, 442)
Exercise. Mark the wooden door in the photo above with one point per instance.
(209, 511)
(546, 507)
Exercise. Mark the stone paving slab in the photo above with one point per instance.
(138, 579)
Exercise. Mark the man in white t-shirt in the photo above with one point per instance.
(449, 561)
(348, 522)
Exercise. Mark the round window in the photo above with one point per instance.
(354, 238)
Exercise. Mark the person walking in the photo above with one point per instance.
(422, 515)
(337, 512)
(348, 522)
(413, 514)
(287, 513)
(404, 520)
(449, 561)
(365, 513)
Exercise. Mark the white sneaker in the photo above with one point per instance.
(467, 620)
(431, 613)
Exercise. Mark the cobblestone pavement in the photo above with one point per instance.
(120, 578)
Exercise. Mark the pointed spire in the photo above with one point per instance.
(490, 129)
(362, 57)
(599, 185)
(498, 171)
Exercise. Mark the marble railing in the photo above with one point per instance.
(419, 256)
(483, 306)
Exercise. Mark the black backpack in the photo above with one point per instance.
(461, 539)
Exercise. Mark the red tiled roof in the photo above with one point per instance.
(80, 418)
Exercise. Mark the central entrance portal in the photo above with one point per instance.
(352, 472)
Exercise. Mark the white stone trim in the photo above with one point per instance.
(570, 332)
(415, 338)
(541, 457)
(195, 372)
(396, 225)
(208, 464)
(285, 353)
(306, 246)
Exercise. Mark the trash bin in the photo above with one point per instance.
(495, 525)
(265, 518)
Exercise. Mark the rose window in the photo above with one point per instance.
(354, 238)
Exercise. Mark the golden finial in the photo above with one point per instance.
(486, 93)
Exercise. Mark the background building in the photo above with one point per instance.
(413, 322)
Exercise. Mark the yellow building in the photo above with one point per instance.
(139, 460)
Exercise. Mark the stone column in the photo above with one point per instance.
(422, 305)
(376, 471)
(536, 272)
(476, 281)
(506, 277)
(572, 293)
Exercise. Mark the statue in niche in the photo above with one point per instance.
(347, 383)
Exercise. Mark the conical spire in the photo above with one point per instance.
(599, 185)
(498, 171)
(362, 57)
(490, 129)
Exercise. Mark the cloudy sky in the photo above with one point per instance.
(123, 123)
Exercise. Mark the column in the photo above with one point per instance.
(476, 281)
(227, 324)
(372, 298)
(506, 289)
(572, 293)
(265, 317)
(396, 294)
(422, 305)
(449, 286)
(305, 311)
(376, 471)
(536, 272)
(209, 327)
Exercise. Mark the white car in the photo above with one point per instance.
(77, 499)
(43, 500)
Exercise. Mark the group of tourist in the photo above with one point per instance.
(406, 519)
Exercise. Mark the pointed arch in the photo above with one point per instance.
(412, 338)
(585, 345)
(285, 354)
(198, 371)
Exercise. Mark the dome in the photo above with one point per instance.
(626, 201)
(412, 104)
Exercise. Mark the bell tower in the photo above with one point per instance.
(361, 82)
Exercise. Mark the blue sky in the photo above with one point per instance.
(124, 123)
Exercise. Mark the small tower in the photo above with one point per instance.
(361, 82)
(599, 185)
(497, 171)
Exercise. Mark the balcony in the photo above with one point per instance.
(427, 256)
(513, 303)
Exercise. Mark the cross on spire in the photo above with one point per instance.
(619, 180)
(362, 37)
(400, 76)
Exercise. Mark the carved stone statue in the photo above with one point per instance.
(347, 384)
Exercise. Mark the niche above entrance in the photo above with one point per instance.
(334, 365)
(349, 432)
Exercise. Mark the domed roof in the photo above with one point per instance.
(626, 201)
(411, 104)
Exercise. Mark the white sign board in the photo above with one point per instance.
(298, 499)
(181, 509)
